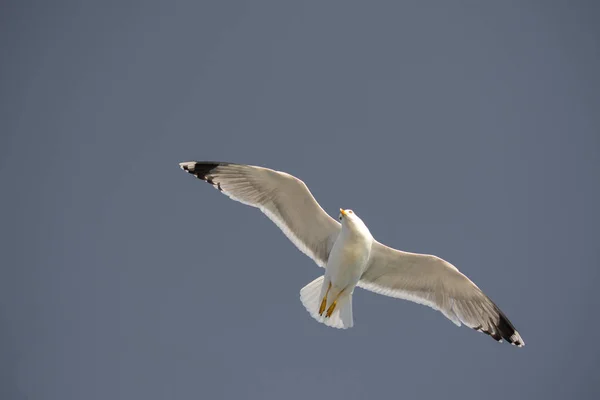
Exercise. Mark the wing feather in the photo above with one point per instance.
(282, 197)
(431, 281)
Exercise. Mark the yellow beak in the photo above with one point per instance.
(343, 212)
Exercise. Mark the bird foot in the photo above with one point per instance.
(324, 301)
(331, 309)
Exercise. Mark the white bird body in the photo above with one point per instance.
(347, 262)
(351, 256)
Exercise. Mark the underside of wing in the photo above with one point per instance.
(431, 281)
(282, 197)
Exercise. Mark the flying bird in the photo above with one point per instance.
(351, 256)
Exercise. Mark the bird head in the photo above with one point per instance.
(349, 219)
(348, 214)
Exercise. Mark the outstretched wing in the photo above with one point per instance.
(431, 281)
(283, 198)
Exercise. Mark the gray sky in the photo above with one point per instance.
(465, 129)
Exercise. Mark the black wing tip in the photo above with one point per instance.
(503, 330)
(508, 332)
(200, 169)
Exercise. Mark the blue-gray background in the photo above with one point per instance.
(465, 129)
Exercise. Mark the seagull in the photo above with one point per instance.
(351, 256)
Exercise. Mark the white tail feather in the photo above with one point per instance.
(311, 296)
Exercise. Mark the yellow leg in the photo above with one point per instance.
(331, 308)
(324, 301)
